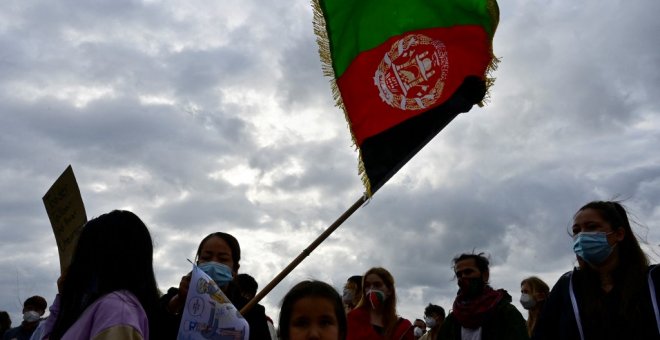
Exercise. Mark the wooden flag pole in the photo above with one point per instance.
(304, 254)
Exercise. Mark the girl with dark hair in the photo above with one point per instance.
(375, 315)
(312, 310)
(611, 294)
(109, 290)
(218, 255)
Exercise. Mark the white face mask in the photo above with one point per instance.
(527, 301)
(31, 316)
(418, 332)
(347, 297)
(430, 322)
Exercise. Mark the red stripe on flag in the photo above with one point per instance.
(410, 74)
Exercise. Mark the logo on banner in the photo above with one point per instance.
(412, 74)
(208, 314)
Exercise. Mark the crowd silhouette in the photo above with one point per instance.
(109, 292)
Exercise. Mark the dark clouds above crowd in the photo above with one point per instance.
(204, 117)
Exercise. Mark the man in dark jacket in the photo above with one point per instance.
(33, 309)
(480, 312)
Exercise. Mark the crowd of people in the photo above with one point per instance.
(109, 292)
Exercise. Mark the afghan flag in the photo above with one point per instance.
(402, 70)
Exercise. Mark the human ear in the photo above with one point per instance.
(619, 234)
(540, 296)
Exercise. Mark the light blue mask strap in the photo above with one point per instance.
(654, 299)
(576, 311)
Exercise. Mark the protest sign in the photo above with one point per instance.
(66, 212)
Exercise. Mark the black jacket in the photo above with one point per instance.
(557, 319)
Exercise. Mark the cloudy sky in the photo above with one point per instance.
(205, 116)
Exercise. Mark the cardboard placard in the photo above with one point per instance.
(66, 212)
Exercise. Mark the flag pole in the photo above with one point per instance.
(304, 254)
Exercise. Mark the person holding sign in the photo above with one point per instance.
(218, 256)
(109, 290)
(208, 313)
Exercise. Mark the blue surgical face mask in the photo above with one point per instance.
(592, 246)
(220, 273)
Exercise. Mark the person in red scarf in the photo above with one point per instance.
(480, 312)
(375, 316)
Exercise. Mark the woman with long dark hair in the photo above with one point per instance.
(375, 316)
(109, 290)
(607, 296)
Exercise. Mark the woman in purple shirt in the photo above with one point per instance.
(109, 290)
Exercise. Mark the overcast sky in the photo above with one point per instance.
(203, 116)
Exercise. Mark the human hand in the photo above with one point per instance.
(175, 305)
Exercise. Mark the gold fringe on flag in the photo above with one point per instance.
(323, 41)
(494, 13)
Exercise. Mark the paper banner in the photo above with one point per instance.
(208, 314)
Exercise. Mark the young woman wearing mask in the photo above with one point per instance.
(612, 293)
(352, 292)
(375, 316)
(218, 255)
(533, 292)
(434, 316)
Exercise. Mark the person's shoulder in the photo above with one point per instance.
(508, 307)
(170, 293)
(654, 269)
(404, 321)
(239, 302)
(118, 306)
(119, 297)
(357, 313)
(257, 310)
(567, 275)
(260, 309)
(564, 280)
(12, 332)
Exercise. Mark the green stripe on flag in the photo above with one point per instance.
(355, 26)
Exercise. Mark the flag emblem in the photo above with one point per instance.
(411, 75)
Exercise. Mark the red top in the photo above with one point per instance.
(360, 327)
